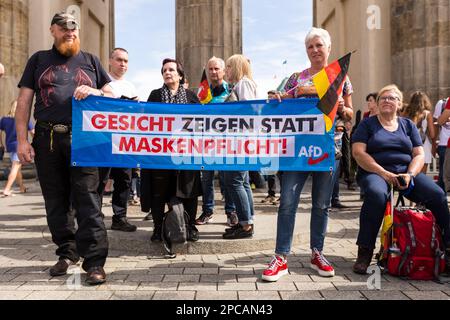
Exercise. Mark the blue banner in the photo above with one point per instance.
(250, 135)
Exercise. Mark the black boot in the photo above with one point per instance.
(192, 233)
(447, 263)
(363, 260)
(122, 224)
(156, 236)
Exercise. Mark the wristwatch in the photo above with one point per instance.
(411, 175)
(102, 93)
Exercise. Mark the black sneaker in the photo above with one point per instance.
(204, 219)
(123, 225)
(148, 217)
(269, 199)
(156, 236)
(232, 219)
(192, 234)
(338, 205)
(238, 233)
(236, 226)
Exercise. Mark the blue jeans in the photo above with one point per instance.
(208, 193)
(335, 182)
(377, 193)
(291, 188)
(441, 152)
(237, 184)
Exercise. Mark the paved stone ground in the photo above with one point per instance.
(26, 253)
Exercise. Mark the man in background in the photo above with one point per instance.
(220, 92)
(118, 65)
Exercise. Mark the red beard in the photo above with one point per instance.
(69, 49)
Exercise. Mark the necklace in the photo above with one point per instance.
(388, 124)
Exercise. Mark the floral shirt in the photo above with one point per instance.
(304, 78)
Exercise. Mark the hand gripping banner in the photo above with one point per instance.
(250, 135)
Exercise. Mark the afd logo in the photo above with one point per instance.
(314, 154)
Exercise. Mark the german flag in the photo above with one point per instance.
(387, 223)
(204, 92)
(329, 84)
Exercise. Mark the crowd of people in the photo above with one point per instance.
(384, 145)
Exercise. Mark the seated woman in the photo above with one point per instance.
(387, 147)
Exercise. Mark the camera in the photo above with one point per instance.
(401, 181)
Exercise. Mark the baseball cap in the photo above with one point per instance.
(65, 20)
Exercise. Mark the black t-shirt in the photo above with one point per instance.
(55, 77)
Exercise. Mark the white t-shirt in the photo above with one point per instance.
(444, 134)
(245, 89)
(427, 142)
(122, 88)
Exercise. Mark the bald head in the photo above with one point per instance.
(2, 70)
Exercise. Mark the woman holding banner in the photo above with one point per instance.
(300, 85)
(159, 186)
(239, 75)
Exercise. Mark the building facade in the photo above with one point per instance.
(206, 28)
(406, 42)
(24, 29)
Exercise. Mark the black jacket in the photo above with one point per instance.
(187, 183)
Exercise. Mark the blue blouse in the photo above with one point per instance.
(391, 150)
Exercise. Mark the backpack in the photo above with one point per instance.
(413, 246)
(175, 226)
(444, 103)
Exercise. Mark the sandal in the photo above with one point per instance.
(5, 195)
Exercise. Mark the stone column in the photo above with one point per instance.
(13, 48)
(421, 46)
(206, 28)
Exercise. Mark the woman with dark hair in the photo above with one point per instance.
(159, 186)
(419, 111)
(371, 105)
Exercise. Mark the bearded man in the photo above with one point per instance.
(54, 76)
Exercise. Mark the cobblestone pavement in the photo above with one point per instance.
(26, 254)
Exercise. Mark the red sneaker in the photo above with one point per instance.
(277, 268)
(321, 265)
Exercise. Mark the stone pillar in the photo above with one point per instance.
(206, 28)
(421, 46)
(13, 48)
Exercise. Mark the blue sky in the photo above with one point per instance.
(273, 31)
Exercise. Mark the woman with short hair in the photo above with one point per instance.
(300, 85)
(389, 152)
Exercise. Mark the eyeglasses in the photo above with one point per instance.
(389, 98)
